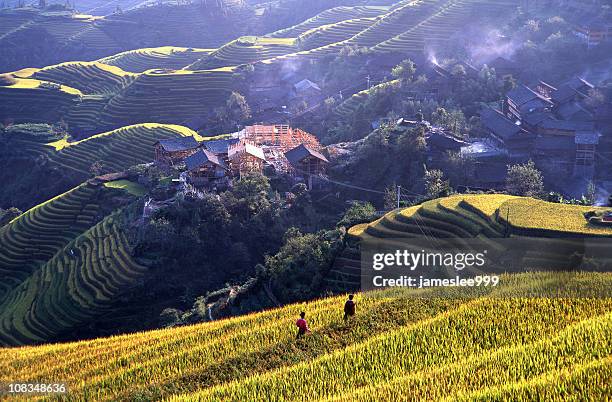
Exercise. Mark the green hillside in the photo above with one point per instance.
(39, 233)
(170, 97)
(396, 348)
(330, 16)
(35, 101)
(167, 57)
(245, 50)
(73, 286)
(116, 150)
(88, 77)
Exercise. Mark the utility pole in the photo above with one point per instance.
(399, 194)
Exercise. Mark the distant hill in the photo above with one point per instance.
(397, 347)
(30, 38)
(176, 84)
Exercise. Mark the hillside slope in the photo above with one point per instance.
(62, 261)
(396, 348)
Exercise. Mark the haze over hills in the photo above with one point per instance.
(178, 80)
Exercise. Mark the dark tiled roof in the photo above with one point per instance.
(179, 144)
(220, 146)
(555, 143)
(565, 125)
(300, 152)
(535, 118)
(498, 124)
(566, 91)
(201, 157)
(439, 139)
(521, 95)
(573, 110)
(305, 85)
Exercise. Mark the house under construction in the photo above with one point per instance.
(266, 149)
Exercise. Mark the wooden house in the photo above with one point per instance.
(586, 145)
(552, 126)
(245, 158)
(220, 147)
(306, 163)
(505, 133)
(205, 169)
(175, 150)
(522, 101)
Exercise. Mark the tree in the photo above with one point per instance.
(591, 193)
(236, 110)
(96, 168)
(435, 185)
(404, 71)
(359, 212)
(7, 215)
(459, 168)
(525, 180)
(390, 198)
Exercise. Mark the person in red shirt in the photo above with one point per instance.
(302, 325)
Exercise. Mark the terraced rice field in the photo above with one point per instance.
(167, 57)
(440, 25)
(170, 97)
(88, 77)
(245, 50)
(37, 235)
(331, 16)
(332, 33)
(116, 150)
(467, 216)
(72, 287)
(35, 101)
(396, 348)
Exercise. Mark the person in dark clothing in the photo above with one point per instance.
(302, 325)
(349, 307)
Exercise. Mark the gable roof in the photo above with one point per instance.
(178, 144)
(523, 94)
(306, 84)
(202, 157)
(247, 147)
(220, 146)
(300, 152)
(570, 88)
(567, 125)
(498, 124)
(555, 143)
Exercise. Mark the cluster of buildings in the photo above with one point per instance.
(557, 126)
(265, 149)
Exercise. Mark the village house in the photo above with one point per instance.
(220, 147)
(306, 164)
(305, 91)
(440, 142)
(205, 169)
(266, 149)
(595, 30)
(505, 133)
(245, 158)
(522, 101)
(175, 150)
